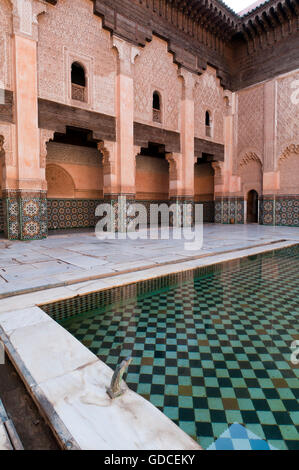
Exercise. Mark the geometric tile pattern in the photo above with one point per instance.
(80, 213)
(287, 211)
(72, 213)
(280, 210)
(12, 217)
(25, 215)
(213, 350)
(237, 437)
(33, 218)
(228, 209)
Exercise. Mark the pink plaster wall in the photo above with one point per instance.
(203, 182)
(152, 178)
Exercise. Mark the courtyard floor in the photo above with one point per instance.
(68, 258)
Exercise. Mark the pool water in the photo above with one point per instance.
(212, 351)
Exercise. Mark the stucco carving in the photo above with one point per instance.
(154, 70)
(209, 96)
(287, 112)
(107, 150)
(7, 132)
(5, 43)
(60, 182)
(249, 157)
(72, 154)
(45, 137)
(251, 120)
(288, 166)
(76, 28)
(291, 149)
(218, 172)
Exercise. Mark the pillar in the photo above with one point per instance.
(270, 174)
(24, 184)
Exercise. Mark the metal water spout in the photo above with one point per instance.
(115, 389)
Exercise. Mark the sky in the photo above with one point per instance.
(238, 5)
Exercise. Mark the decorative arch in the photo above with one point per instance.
(250, 157)
(291, 149)
(251, 173)
(60, 182)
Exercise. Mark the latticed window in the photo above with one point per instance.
(78, 82)
(157, 115)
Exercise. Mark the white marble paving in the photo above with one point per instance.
(70, 257)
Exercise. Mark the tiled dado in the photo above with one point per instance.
(71, 213)
(25, 215)
(229, 210)
(80, 213)
(280, 210)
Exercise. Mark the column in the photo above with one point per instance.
(120, 160)
(270, 173)
(25, 185)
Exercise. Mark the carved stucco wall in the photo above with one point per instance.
(209, 96)
(251, 176)
(289, 173)
(60, 182)
(154, 70)
(8, 132)
(250, 127)
(287, 112)
(5, 43)
(72, 32)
